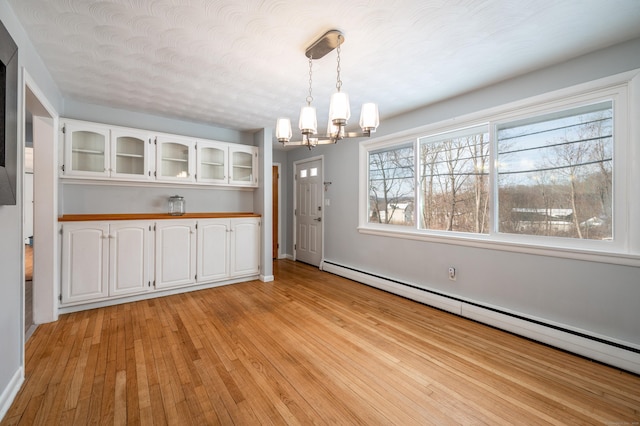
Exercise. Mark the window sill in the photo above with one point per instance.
(486, 242)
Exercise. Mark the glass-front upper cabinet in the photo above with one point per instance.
(243, 165)
(131, 153)
(212, 162)
(86, 150)
(175, 159)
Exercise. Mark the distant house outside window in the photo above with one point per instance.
(555, 174)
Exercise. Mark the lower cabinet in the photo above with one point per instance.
(244, 247)
(102, 260)
(175, 253)
(228, 248)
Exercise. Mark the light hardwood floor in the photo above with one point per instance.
(308, 348)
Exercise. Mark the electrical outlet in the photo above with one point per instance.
(452, 273)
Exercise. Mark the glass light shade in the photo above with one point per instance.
(339, 111)
(283, 129)
(369, 119)
(308, 123)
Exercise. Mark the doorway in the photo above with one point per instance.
(27, 226)
(41, 120)
(308, 225)
(275, 190)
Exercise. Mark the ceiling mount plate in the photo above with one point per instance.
(324, 44)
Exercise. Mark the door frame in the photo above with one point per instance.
(279, 208)
(295, 202)
(46, 261)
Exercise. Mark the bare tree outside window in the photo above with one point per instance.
(554, 174)
(391, 186)
(454, 184)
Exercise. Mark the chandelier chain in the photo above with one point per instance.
(338, 81)
(309, 97)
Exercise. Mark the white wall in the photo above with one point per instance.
(262, 201)
(280, 157)
(601, 299)
(11, 243)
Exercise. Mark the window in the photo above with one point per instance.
(555, 174)
(551, 175)
(391, 186)
(454, 181)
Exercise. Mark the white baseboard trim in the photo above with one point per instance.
(9, 393)
(266, 278)
(82, 306)
(430, 299)
(574, 340)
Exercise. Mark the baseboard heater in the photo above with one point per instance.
(619, 354)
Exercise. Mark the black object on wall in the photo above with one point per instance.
(8, 117)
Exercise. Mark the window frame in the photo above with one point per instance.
(624, 249)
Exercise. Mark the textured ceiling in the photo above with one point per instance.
(240, 64)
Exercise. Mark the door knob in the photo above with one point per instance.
(318, 219)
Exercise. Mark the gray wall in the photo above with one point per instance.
(11, 244)
(90, 199)
(597, 297)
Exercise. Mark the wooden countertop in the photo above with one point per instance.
(150, 216)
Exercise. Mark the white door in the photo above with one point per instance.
(129, 254)
(85, 259)
(244, 247)
(175, 253)
(213, 246)
(308, 212)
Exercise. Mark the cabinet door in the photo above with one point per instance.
(175, 253)
(244, 247)
(85, 256)
(243, 165)
(212, 162)
(129, 258)
(213, 248)
(175, 159)
(86, 150)
(131, 155)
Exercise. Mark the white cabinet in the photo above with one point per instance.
(131, 155)
(228, 248)
(99, 152)
(130, 248)
(86, 150)
(244, 247)
(243, 165)
(230, 164)
(175, 253)
(213, 161)
(175, 159)
(85, 260)
(213, 249)
(111, 259)
(101, 260)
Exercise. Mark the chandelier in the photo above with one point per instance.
(339, 110)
